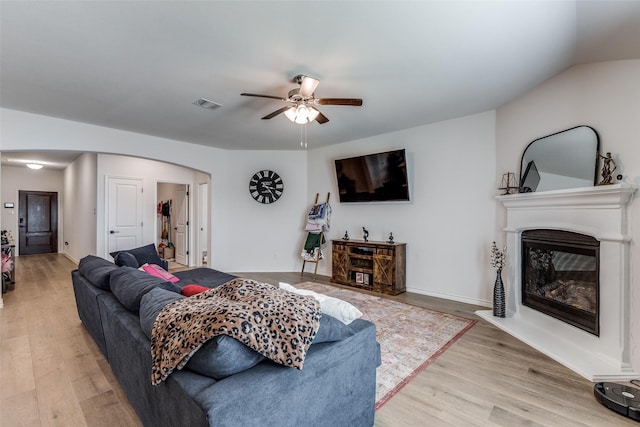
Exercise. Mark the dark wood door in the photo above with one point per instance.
(38, 222)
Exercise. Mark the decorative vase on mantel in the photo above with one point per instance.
(498, 296)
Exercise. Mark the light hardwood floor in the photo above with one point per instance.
(52, 373)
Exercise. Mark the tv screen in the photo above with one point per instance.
(373, 178)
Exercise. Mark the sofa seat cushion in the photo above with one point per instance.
(97, 271)
(144, 255)
(129, 285)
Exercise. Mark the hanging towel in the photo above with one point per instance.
(318, 219)
(313, 241)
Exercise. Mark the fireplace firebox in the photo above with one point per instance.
(560, 276)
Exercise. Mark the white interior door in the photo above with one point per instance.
(124, 213)
(181, 212)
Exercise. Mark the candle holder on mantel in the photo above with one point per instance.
(508, 183)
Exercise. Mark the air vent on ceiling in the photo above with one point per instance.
(205, 103)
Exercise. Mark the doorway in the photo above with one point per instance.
(38, 222)
(173, 211)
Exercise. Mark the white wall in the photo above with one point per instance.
(79, 203)
(603, 95)
(267, 237)
(22, 178)
(447, 223)
(238, 242)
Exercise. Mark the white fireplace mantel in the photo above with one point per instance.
(600, 212)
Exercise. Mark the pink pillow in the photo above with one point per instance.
(157, 271)
(190, 290)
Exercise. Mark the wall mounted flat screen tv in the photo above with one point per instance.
(376, 177)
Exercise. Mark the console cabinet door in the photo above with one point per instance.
(340, 262)
(384, 268)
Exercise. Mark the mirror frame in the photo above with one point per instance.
(530, 169)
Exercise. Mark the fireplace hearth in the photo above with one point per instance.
(567, 278)
(560, 276)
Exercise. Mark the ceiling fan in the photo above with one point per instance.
(302, 109)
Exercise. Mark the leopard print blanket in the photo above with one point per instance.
(277, 324)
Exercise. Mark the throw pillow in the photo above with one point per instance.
(129, 285)
(145, 255)
(190, 290)
(223, 356)
(97, 270)
(157, 271)
(335, 307)
(125, 259)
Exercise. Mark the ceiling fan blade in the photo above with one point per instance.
(356, 102)
(263, 96)
(275, 113)
(308, 86)
(321, 118)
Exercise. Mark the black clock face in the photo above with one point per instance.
(266, 186)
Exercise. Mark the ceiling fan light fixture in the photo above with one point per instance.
(33, 165)
(301, 114)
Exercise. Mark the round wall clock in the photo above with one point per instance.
(266, 186)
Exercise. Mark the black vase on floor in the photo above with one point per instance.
(498, 296)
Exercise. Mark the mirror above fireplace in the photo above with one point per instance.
(567, 159)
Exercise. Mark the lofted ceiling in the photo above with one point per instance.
(139, 66)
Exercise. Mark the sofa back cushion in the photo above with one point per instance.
(129, 285)
(97, 270)
(151, 304)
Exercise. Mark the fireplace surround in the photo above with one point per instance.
(599, 216)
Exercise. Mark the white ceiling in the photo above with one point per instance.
(138, 66)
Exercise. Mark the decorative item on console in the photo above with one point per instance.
(365, 236)
(508, 183)
(390, 239)
(497, 262)
(346, 235)
(608, 167)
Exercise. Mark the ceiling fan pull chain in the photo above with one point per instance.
(303, 136)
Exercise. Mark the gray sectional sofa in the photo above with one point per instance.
(335, 388)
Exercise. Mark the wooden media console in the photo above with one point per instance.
(376, 266)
